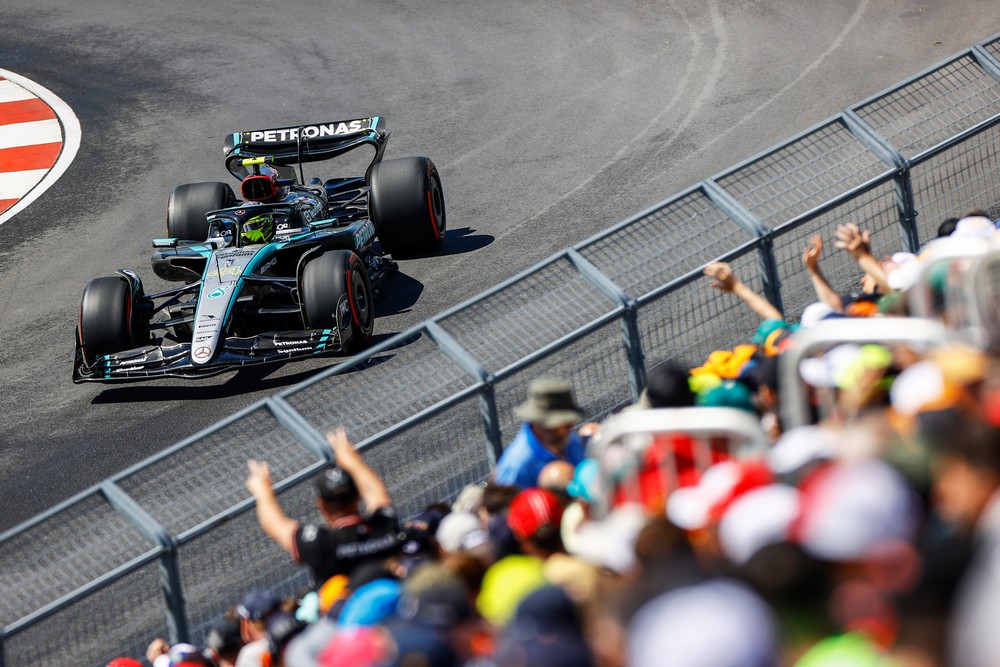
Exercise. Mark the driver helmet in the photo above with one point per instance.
(259, 229)
(261, 186)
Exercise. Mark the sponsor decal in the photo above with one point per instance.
(267, 266)
(202, 339)
(133, 362)
(309, 131)
(226, 254)
(233, 271)
(364, 235)
(219, 291)
(293, 350)
(203, 352)
(291, 342)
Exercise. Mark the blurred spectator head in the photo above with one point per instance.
(756, 519)
(253, 612)
(497, 498)
(223, 641)
(946, 227)
(258, 605)
(370, 604)
(550, 403)
(850, 510)
(556, 476)
(967, 473)
(470, 499)
(546, 631)
(455, 529)
(814, 313)
(337, 491)
(718, 623)
(975, 224)
(667, 387)
(413, 645)
(435, 597)
(534, 517)
(363, 646)
(282, 627)
(702, 505)
(506, 583)
(729, 394)
(551, 411)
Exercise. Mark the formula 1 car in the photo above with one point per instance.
(289, 272)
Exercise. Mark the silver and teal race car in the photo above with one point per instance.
(289, 271)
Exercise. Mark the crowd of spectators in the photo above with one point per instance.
(870, 536)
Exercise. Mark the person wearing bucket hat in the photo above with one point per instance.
(546, 434)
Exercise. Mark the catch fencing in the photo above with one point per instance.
(163, 547)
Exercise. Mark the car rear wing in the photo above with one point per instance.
(305, 143)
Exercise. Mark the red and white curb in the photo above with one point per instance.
(39, 137)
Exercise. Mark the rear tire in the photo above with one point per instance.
(337, 281)
(407, 206)
(106, 312)
(188, 205)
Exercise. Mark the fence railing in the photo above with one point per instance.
(159, 549)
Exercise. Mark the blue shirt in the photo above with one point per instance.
(525, 457)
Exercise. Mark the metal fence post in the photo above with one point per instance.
(986, 60)
(630, 321)
(170, 574)
(487, 397)
(742, 216)
(888, 153)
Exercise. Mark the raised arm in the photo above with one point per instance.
(370, 485)
(857, 243)
(726, 280)
(810, 259)
(276, 524)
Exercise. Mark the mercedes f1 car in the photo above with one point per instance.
(290, 271)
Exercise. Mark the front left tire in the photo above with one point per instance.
(335, 291)
(106, 318)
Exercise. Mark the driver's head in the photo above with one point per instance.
(259, 229)
(261, 186)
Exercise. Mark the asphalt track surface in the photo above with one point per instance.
(549, 121)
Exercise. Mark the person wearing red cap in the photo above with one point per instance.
(534, 517)
(124, 662)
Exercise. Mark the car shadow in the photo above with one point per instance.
(398, 296)
(457, 242)
(462, 240)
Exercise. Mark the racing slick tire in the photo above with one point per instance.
(105, 318)
(337, 281)
(407, 206)
(188, 205)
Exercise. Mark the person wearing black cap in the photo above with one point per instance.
(348, 538)
(223, 642)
